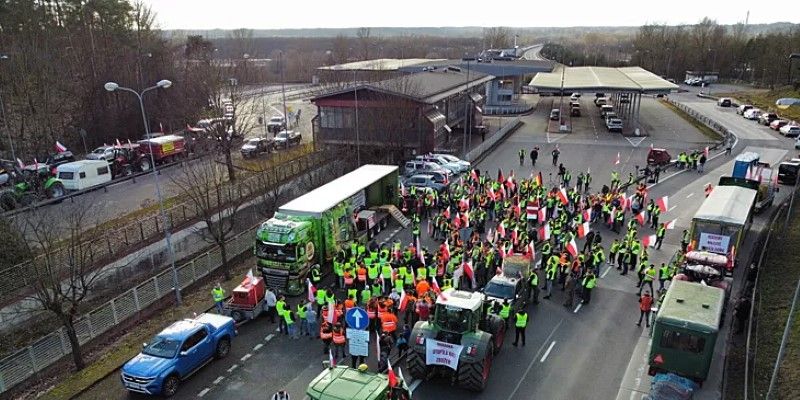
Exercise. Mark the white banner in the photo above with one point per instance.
(358, 342)
(714, 243)
(442, 353)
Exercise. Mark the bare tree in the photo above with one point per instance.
(365, 41)
(216, 202)
(62, 277)
(395, 125)
(497, 37)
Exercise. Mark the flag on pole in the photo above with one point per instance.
(705, 151)
(541, 216)
(538, 179)
(20, 163)
(649, 241)
(501, 229)
(405, 382)
(312, 290)
(446, 250)
(118, 143)
(403, 301)
(331, 312)
(663, 203)
(514, 235)
(490, 236)
(617, 161)
(587, 214)
(500, 177)
(612, 216)
(530, 251)
(390, 374)
(469, 272)
(532, 209)
(446, 213)
(474, 175)
(331, 360)
(640, 217)
(572, 248)
(436, 289)
(60, 148)
(420, 253)
(403, 191)
(671, 224)
(583, 229)
(562, 195)
(544, 232)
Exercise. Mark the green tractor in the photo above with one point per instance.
(460, 341)
(345, 383)
(30, 185)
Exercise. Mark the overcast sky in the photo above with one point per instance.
(266, 14)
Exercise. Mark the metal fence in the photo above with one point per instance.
(121, 240)
(27, 362)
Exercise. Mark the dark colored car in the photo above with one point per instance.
(658, 157)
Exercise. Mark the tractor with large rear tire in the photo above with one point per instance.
(461, 327)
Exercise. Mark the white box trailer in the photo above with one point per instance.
(722, 221)
(83, 174)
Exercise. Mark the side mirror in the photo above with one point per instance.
(183, 353)
(144, 344)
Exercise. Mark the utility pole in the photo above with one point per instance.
(358, 139)
(283, 93)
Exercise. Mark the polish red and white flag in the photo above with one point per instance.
(562, 195)
(663, 203)
(572, 248)
(583, 229)
(544, 232)
(530, 251)
(640, 217)
(649, 241)
(670, 224)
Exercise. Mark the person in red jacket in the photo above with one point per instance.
(645, 305)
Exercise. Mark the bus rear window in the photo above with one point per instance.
(682, 341)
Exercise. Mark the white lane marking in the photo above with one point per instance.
(258, 347)
(269, 337)
(233, 368)
(414, 385)
(547, 353)
(671, 208)
(246, 357)
(218, 380)
(203, 392)
(608, 269)
(577, 308)
(632, 141)
(533, 361)
(689, 195)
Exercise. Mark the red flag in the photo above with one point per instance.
(446, 250)
(572, 248)
(640, 217)
(474, 175)
(514, 235)
(649, 241)
(446, 213)
(464, 203)
(403, 301)
(436, 289)
(312, 290)
(541, 216)
(420, 253)
(663, 203)
(583, 229)
(587, 214)
(492, 194)
(390, 373)
(670, 224)
(530, 251)
(562, 195)
(500, 177)
(501, 229)
(544, 232)
(469, 272)
(617, 161)
(531, 209)
(60, 148)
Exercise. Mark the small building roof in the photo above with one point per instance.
(598, 79)
(727, 204)
(380, 64)
(332, 193)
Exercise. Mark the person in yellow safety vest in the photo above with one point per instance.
(316, 274)
(648, 278)
(352, 292)
(338, 270)
(533, 280)
(589, 282)
(218, 294)
(422, 273)
(505, 312)
(353, 249)
(291, 326)
(366, 294)
(372, 271)
(301, 315)
(520, 323)
(612, 253)
(320, 299)
(280, 306)
(447, 283)
(664, 274)
(551, 272)
(398, 284)
(408, 278)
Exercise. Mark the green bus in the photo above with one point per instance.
(685, 330)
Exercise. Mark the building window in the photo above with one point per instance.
(336, 117)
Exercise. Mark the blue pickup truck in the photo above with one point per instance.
(177, 352)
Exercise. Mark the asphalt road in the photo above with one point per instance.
(576, 353)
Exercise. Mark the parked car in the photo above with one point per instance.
(575, 112)
(177, 352)
(610, 114)
(657, 157)
(767, 118)
(415, 167)
(742, 108)
(255, 146)
(788, 172)
(752, 114)
(778, 124)
(598, 95)
(601, 101)
(724, 102)
(605, 109)
(790, 130)
(614, 125)
(102, 153)
(575, 97)
(276, 124)
(425, 181)
(447, 161)
(287, 138)
(83, 174)
(438, 177)
(555, 114)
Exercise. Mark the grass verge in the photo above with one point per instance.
(765, 100)
(706, 131)
(110, 356)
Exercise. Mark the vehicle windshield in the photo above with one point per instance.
(162, 347)
(499, 291)
(452, 319)
(276, 119)
(99, 150)
(277, 252)
(450, 158)
(253, 142)
(283, 135)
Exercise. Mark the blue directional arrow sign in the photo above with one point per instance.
(357, 318)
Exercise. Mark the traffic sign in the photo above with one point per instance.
(356, 318)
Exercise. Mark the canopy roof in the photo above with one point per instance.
(327, 196)
(599, 79)
(727, 204)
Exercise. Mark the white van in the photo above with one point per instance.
(83, 174)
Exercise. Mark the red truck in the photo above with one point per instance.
(166, 148)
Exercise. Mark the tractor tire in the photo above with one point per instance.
(145, 165)
(56, 190)
(474, 376)
(7, 201)
(416, 366)
(497, 328)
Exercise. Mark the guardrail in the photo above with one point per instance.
(712, 124)
(121, 240)
(25, 363)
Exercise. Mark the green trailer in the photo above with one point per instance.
(310, 229)
(685, 330)
(345, 383)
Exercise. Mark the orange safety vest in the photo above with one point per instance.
(389, 323)
(362, 274)
(338, 337)
(372, 313)
(325, 335)
(348, 278)
(349, 303)
(339, 311)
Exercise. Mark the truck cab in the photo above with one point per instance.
(176, 353)
(342, 382)
(286, 251)
(512, 283)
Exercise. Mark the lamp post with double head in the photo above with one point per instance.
(162, 84)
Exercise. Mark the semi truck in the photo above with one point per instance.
(749, 171)
(722, 221)
(310, 229)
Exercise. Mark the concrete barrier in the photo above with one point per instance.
(477, 154)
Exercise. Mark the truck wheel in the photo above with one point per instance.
(144, 165)
(473, 376)
(223, 348)
(416, 365)
(55, 191)
(170, 386)
(498, 330)
(237, 315)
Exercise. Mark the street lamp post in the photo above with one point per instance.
(112, 86)
(358, 138)
(283, 93)
(5, 121)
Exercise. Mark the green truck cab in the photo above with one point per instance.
(345, 383)
(310, 229)
(685, 330)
